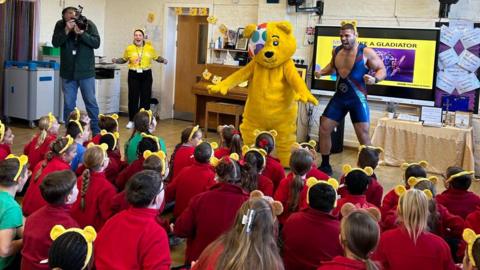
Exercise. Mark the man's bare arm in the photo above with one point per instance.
(326, 70)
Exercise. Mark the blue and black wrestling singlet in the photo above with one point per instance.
(351, 92)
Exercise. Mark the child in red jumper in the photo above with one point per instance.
(192, 180)
(310, 236)
(133, 239)
(255, 227)
(94, 205)
(116, 164)
(356, 183)
(208, 214)
(59, 190)
(368, 156)
(314, 171)
(62, 152)
(6, 141)
(230, 141)
(182, 155)
(359, 237)
(156, 161)
(456, 198)
(254, 161)
(390, 201)
(148, 142)
(292, 191)
(39, 145)
(273, 169)
(411, 246)
(107, 122)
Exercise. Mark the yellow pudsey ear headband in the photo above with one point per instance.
(277, 207)
(215, 161)
(161, 155)
(103, 147)
(150, 114)
(470, 237)
(154, 138)
(273, 133)
(113, 116)
(361, 147)
(413, 181)
(22, 161)
(51, 120)
(309, 144)
(401, 190)
(79, 125)
(352, 22)
(422, 163)
(2, 131)
(348, 169)
(460, 174)
(312, 181)
(76, 113)
(115, 136)
(194, 129)
(70, 141)
(88, 233)
(262, 152)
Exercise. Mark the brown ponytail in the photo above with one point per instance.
(300, 163)
(83, 192)
(55, 148)
(43, 125)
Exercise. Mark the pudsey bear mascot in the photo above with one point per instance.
(274, 85)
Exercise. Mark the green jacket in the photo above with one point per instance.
(81, 65)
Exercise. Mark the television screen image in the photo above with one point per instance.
(409, 56)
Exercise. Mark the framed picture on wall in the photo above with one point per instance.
(242, 42)
(302, 71)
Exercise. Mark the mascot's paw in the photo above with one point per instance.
(306, 97)
(213, 89)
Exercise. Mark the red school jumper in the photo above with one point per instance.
(36, 237)
(183, 158)
(473, 221)
(33, 199)
(315, 172)
(98, 201)
(4, 151)
(221, 152)
(343, 263)
(360, 201)
(459, 202)
(192, 180)
(132, 240)
(274, 170)
(207, 216)
(310, 236)
(374, 191)
(390, 202)
(282, 193)
(37, 154)
(397, 250)
(128, 172)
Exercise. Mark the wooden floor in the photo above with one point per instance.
(170, 131)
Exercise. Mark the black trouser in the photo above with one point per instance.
(139, 91)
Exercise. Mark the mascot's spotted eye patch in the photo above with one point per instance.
(257, 40)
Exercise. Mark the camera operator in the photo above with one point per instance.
(77, 62)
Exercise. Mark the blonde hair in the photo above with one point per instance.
(413, 212)
(244, 249)
(43, 125)
(93, 159)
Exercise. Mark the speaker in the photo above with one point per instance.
(295, 2)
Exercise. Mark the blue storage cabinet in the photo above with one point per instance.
(31, 90)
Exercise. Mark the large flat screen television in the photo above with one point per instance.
(409, 56)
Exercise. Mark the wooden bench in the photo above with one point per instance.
(223, 108)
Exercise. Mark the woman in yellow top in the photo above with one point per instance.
(139, 56)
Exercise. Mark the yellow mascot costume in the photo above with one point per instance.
(274, 85)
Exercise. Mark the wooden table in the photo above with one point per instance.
(404, 141)
(237, 95)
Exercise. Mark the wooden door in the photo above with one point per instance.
(192, 42)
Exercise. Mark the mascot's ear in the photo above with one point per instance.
(249, 29)
(285, 26)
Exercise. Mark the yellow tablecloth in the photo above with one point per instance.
(405, 141)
